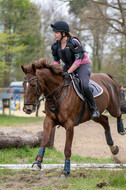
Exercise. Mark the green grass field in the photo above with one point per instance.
(12, 120)
(80, 179)
(27, 155)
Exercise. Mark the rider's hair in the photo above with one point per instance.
(68, 34)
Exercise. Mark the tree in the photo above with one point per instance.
(20, 17)
(8, 44)
(102, 24)
(116, 21)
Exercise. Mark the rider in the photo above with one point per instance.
(70, 51)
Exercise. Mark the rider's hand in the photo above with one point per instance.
(66, 74)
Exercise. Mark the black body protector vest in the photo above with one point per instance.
(73, 51)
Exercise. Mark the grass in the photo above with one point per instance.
(27, 155)
(12, 120)
(48, 180)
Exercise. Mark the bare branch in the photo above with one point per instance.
(122, 13)
(106, 4)
(105, 19)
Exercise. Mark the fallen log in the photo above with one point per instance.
(12, 137)
(17, 137)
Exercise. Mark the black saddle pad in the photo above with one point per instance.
(77, 84)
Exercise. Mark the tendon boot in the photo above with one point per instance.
(93, 109)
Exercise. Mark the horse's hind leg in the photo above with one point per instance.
(115, 111)
(103, 120)
(120, 127)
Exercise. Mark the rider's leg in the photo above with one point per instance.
(92, 105)
(84, 73)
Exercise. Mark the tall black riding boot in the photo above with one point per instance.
(94, 110)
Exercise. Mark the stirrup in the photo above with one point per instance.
(95, 113)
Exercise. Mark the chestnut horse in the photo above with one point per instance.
(63, 105)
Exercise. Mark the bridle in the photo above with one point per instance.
(52, 94)
(38, 91)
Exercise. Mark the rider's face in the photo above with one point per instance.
(57, 35)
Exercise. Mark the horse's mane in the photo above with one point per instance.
(46, 63)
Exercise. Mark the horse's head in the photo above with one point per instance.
(32, 88)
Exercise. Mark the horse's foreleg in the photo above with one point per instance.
(120, 127)
(48, 125)
(103, 120)
(67, 151)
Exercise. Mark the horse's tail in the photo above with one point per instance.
(112, 77)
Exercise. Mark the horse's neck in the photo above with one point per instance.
(52, 81)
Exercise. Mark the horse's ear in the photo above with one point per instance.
(24, 69)
(34, 68)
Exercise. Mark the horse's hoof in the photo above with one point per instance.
(62, 176)
(36, 165)
(114, 149)
(123, 133)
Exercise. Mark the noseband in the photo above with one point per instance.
(38, 91)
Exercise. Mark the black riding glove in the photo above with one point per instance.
(66, 75)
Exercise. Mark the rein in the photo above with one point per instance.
(54, 99)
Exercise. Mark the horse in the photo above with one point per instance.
(62, 105)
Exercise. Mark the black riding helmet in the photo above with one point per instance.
(60, 26)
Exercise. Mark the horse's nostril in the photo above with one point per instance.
(29, 111)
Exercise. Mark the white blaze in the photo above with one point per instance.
(27, 84)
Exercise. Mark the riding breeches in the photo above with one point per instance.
(84, 72)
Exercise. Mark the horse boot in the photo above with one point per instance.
(43, 111)
(93, 109)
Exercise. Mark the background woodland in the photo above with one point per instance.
(26, 35)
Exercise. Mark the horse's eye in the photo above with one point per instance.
(33, 85)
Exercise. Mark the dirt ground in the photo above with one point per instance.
(89, 139)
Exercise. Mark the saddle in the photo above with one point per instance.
(77, 84)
